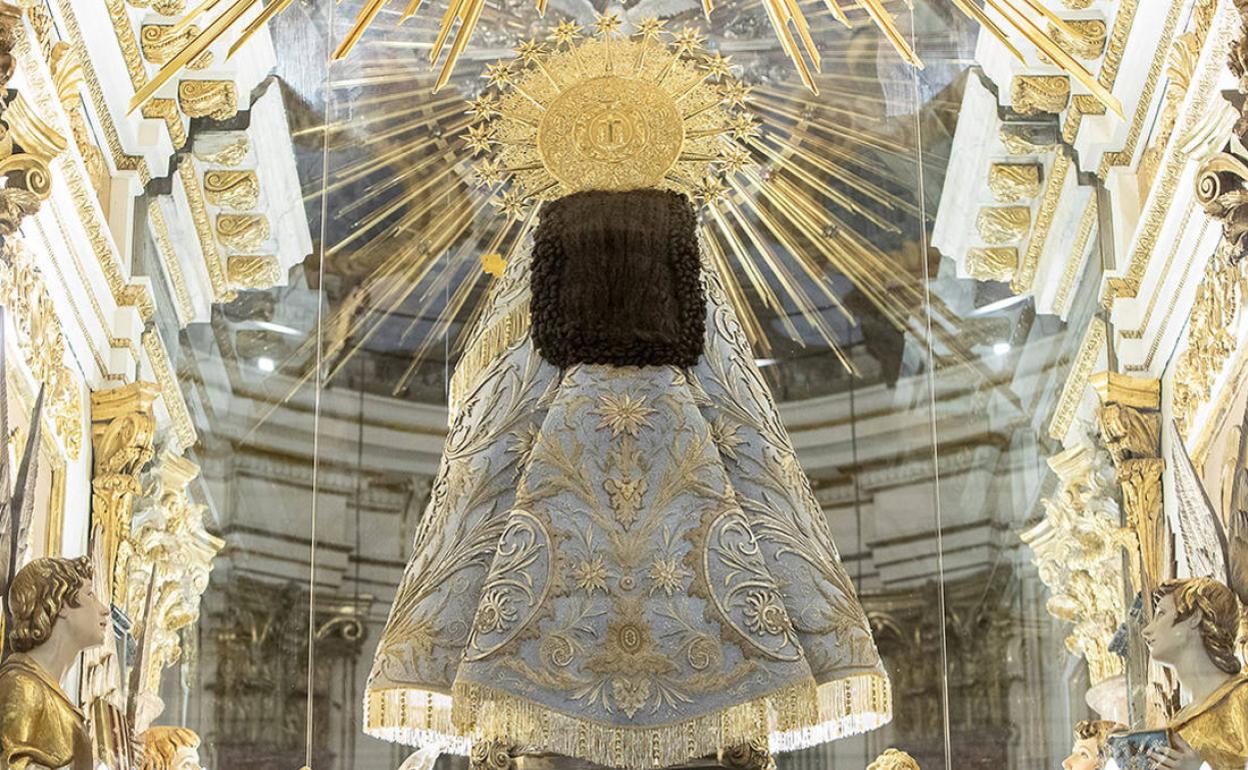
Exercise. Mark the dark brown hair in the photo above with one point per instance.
(616, 279)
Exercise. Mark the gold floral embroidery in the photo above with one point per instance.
(727, 436)
(522, 443)
(765, 614)
(495, 611)
(623, 413)
(667, 575)
(631, 694)
(590, 575)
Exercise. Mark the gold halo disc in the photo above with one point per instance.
(611, 133)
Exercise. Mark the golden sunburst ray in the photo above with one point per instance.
(795, 198)
(786, 17)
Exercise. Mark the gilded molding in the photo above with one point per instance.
(167, 110)
(254, 271)
(1044, 223)
(41, 342)
(1153, 218)
(1003, 224)
(169, 260)
(216, 99)
(1077, 550)
(996, 263)
(1077, 380)
(1074, 260)
(175, 403)
(1088, 40)
(242, 232)
(129, 44)
(203, 228)
(160, 43)
(1013, 182)
(121, 161)
(237, 190)
(1144, 108)
(1034, 94)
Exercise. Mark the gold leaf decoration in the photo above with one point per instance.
(1013, 182)
(992, 264)
(242, 232)
(254, 271)
(1033, 94)
(238, 190)
(1003, 224)
(216, 99)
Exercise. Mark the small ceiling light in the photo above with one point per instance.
(265, 364)
(1000, 348)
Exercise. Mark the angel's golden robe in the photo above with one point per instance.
(39, 725)
(1218, 728)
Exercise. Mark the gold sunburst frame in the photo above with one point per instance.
(1004, 19)
(609, 113)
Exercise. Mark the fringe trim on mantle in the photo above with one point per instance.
(792, 718)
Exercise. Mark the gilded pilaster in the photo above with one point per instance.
(1130, 423)
(123, 427)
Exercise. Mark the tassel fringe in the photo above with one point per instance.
(792, 718)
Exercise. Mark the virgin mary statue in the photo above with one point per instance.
(621, 560)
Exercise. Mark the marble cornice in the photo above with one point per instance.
(1174, 167)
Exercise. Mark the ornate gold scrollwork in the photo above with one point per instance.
(237, 190)
(1033, 94)
(1077, 549)
(160, 43)
(253, 271)
(242, 232)
(27, 146)
(1088, 42)
(168, 560)
(216, 99)
(1210, 342)
(1222, 189)
(123, 427)
(41, 341)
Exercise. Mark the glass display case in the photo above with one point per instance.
(742, 385)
